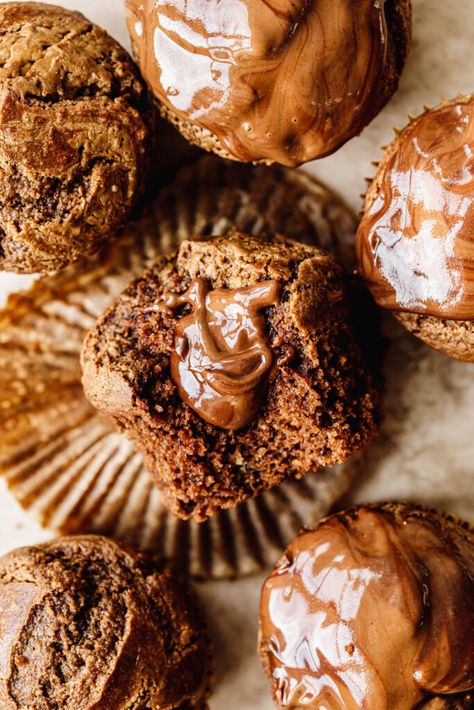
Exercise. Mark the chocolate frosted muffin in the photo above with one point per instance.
(415, 244)
(261, 81)
(89, 624)
(374, 608)
(233, 365)
(74, 136)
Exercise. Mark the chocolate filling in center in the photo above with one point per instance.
(221, 355)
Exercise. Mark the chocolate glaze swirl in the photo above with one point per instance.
(221, 357)
(416, 241)
(372, 609)
(275, 80)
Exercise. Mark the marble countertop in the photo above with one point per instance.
(426, 448)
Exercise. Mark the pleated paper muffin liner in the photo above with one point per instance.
(66, 464)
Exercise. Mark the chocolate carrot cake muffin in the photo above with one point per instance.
(75, 130)
(89, 624)
(261, 81)
(415, 244)
(233, 365)
(373, 608)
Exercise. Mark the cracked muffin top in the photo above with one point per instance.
(75, 131)
(87, 623)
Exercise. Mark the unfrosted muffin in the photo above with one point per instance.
(415, 244)
(75, 131)
(233, 365)
(89, 624)
(373, 608)
(261, 81)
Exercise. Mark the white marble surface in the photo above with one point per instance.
(426, 450)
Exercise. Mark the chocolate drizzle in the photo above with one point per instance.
(416, 241)
(279, 80)
(221, 357)
(372, 610)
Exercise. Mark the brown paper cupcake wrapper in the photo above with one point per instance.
(66, 464)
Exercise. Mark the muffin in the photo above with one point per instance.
(415, 244)
(75, 131)
(373, 608)
(233, 365)
(88, 624)
(266, 82)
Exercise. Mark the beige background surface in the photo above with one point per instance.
(426, 449)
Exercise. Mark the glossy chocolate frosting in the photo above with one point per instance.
(372, 609)
(275, 80)
(221, 356)
(416, 241)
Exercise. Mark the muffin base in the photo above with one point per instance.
(454, 338)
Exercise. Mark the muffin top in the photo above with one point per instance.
(51, 53)
(282, 81)
(416, 241)
(373, 608)
(75, 131)
(87, 623)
